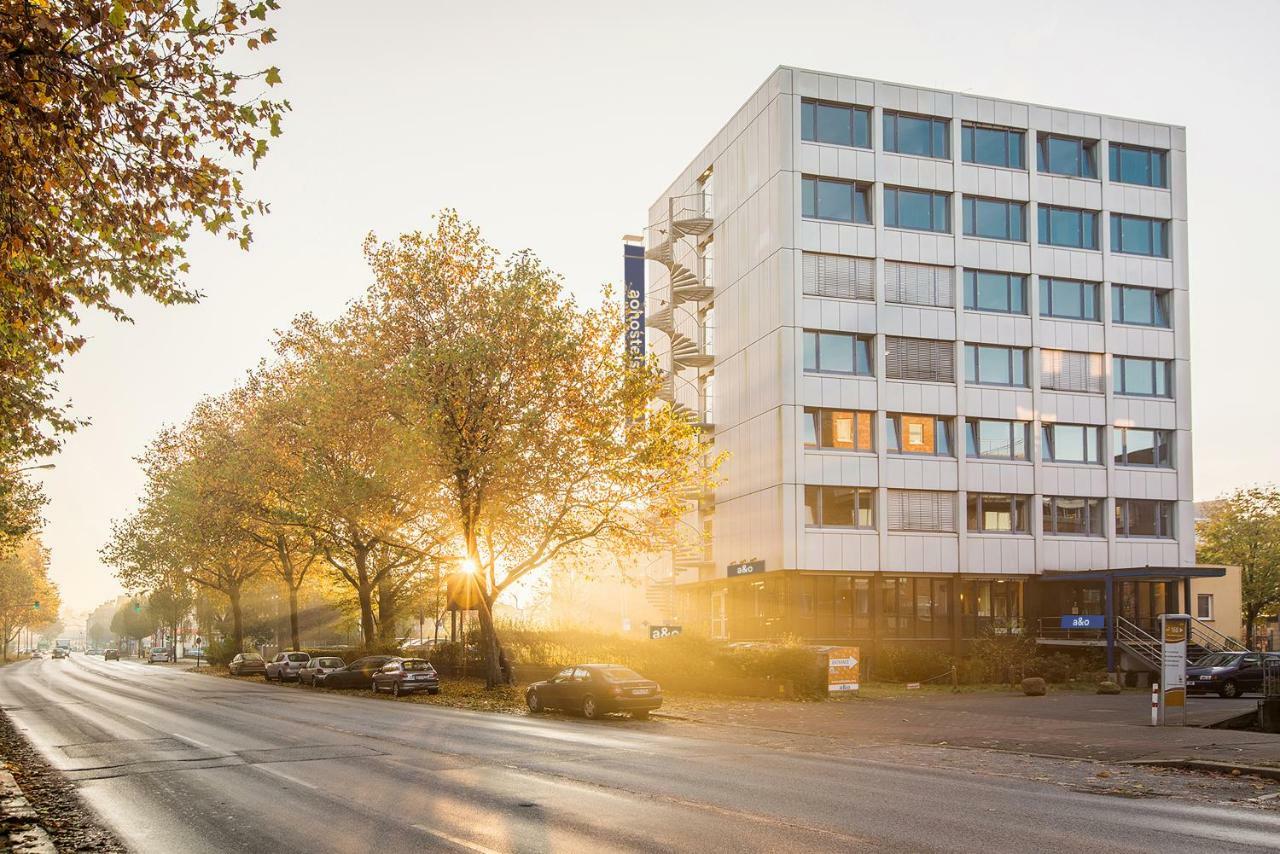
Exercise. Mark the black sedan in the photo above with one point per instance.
(595, 690)
(111, 655)
(1228, 674)
(406, 675)
(357, 674)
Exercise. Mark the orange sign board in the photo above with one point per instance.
(1175, 631)
(844, 665)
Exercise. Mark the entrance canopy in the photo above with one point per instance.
(1138, 573)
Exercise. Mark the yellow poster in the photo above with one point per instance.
(843, 667)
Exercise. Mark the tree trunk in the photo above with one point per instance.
(293, 617)
(1250, 617)
(365, 593)
(495, 670)
(386, 611)
(237, 619)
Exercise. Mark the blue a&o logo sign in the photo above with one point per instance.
(1083, 621)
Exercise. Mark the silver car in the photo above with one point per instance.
(285, 666)
(158, 653)
(319, 667)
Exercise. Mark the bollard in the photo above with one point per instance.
(1155, 704)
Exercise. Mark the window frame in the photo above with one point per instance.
(1095, 511)
(1087, 157)
(1163, 440)
(1119, 374)
(816, 415)
(1164, 519)
(971, 276)
(857, 189)
(1049, 442)
(1115, 167)
(889, 140)
(976, 377)
(1046, 286)
(891, 213)
(1019, 514)
(1160, 300)
(969, 145)
(857, 491)
(813, 104)
(1045, 230)
(866, 341)
(942, 426)
(1118, 220)
(973, 439)
(969, 218)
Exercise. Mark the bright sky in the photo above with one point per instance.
(554, 125)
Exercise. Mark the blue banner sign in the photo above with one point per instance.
(747, 567)
(1083, 621)
(633, 300)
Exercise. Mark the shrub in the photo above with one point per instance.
(221, 652)
(909, 663)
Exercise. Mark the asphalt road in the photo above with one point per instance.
(182, 762)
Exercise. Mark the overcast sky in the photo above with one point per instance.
(554, 125)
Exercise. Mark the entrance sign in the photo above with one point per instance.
(1174, 630)
(746, 567)
(660, 632)
(1083, 621)
(843, 668)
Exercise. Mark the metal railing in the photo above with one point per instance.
(1213, 640)
(1137, 642)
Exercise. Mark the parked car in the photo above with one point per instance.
(406, 675)
(158, 653)
(111, 655)
(59, 652)
(357, 674)
(317, 667)
(1228, 674)
(35, 653)
(595, 690)
(93, 652)
(246, 663)
(285, 666)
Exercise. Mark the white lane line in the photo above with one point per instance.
(283, 776)
(191, 740)
(470, 846)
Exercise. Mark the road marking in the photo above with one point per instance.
(273, 772)
(193, 741)
(470, 846)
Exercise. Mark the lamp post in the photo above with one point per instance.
(40, 467)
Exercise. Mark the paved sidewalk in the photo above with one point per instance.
(18, 821)
(1076, 725)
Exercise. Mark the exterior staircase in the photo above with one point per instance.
(1144, 647)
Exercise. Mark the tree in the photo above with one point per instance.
(121, 127)
(20, 505)
(1243, 529)
(521, 409)
(134, 620)
(28, 599)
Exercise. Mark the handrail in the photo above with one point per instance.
(1214, 640)
(1137, 641)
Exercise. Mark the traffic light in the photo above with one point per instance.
(36, 604)
(137, 606)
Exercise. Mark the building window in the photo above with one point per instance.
(840, 429)
(919, 135)
(1071, 227)
(917, 209)
(1068, 299)
(991, 146)
(842, 201)
(997, 440)
(835, 124)
(1137, 517)
(921, 510)
(1073, 517)
(1139, 306)
(997, 513)
(918, 434)
(1072, 443)
(839, 506)
(1137, 447)
(708, 383)
(919, 284)
(837, 352)
(1147, 167)
(1143, 377)
(1204, 606)
(1139, 235)
(1064, 155)
(839, 276)
(994, 218)
(1064, 370)
(988, 365)
(1002, 292)
(919, 359)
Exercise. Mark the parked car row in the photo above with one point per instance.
(1229, 674)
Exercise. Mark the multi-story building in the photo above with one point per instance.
(944, 340)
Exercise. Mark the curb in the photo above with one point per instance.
(18, 820)
(1270, 772)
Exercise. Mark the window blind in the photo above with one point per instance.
(1063, 370)
(920, 359)
(921, 510)
(919, 284)
(839, 276)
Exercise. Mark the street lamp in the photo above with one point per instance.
(30, 468)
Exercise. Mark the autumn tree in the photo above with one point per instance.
(1243, 529)
(521, 408)
(123, 126)
(135, 620)
(28, 598)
